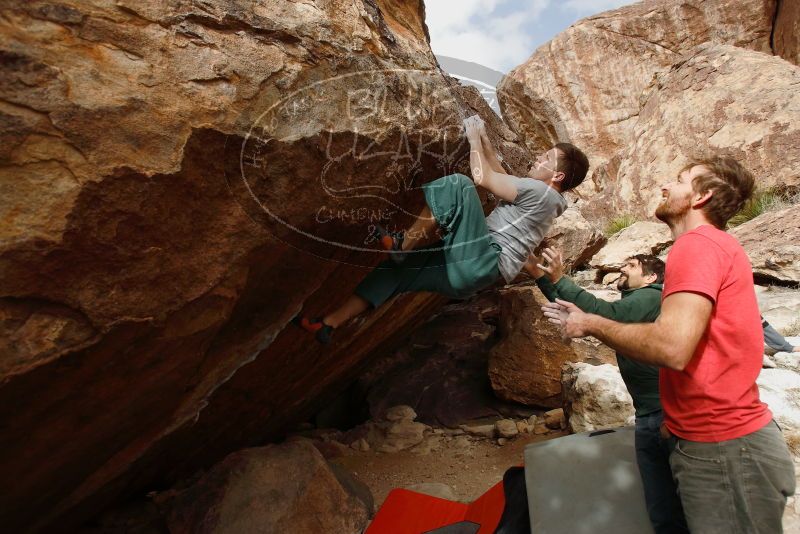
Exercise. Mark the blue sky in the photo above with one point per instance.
(501, 34)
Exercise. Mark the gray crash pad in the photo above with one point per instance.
(585, 483)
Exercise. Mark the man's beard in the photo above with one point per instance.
(623, 283)
(671, 212)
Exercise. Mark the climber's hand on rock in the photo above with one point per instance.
(555, 264)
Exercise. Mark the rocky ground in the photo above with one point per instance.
(357, 468)
(461, 469)
(461, 464)
(454, 463)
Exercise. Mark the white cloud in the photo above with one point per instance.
(591, 7)
(494, 33)
(442, 15)
(502, 34)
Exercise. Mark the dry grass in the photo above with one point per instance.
(763, 201)
(791, 330)
(618, 224)
(793, 441)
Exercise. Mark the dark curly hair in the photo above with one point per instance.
(651, 265)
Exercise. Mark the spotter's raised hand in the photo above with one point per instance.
(567, 316)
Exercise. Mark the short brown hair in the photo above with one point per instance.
(573, 163)
(650, 265)
(731, 184)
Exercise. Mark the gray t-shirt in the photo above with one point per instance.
(519, 226)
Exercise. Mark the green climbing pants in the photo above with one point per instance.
(462, 263)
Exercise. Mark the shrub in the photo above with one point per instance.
(792, 330)
(619, 223)
(763, 201)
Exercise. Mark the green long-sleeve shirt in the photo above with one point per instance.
(640, 305)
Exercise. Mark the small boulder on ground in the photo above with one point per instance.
(430, 443)
(360, 445)
(402, 435)
(400, 413)
(788, 360)
(595, 397)
(483, 431)
(555, 420)
(278, 488)
(506, 428)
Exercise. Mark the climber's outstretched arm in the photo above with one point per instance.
(489, 152)
(500, 184)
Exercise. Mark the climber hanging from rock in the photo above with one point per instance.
(473, 251)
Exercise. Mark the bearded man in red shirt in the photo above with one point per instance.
(729, 459)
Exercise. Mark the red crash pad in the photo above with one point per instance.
(409, 512)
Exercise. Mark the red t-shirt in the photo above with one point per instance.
(715, 398)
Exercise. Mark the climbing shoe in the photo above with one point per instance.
(317, 327)
(392, 242)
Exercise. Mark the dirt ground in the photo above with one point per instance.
(469, 471)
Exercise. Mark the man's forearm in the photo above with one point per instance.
(500, 184)
(477, 162)
(547, 288)
(483, 158)
(490, 157)
(671, 341)
(644, 342)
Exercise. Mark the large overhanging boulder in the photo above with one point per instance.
(177, 178)
(584, 85)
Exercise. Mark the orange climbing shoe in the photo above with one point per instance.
(317, 327)
(391, 242)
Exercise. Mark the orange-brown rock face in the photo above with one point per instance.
(719, 99)
(584, 85)
(577, 238)
(178, 180)
(525, 365)
(786, 35)
(248, 492)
